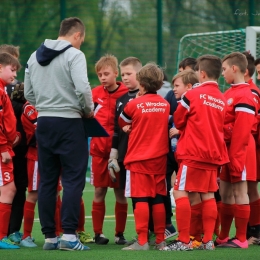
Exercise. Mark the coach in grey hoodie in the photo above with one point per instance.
(56, 83)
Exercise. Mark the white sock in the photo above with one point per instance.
(51, 240)
(69, 237)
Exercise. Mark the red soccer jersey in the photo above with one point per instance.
(105, 103)
(200, 116)
(7, 121)
(29, 122)
(240, 118)
(148, 140)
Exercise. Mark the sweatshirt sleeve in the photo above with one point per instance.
(82, 86)
(28, 89)
(181, 113)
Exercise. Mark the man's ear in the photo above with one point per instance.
(189, 86)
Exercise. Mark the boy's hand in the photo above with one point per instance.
(113, 164)
(173, 131)
(16, 141)
(89, 115)
(127, 129)
(6, 157)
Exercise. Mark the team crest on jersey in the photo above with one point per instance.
(230, 101)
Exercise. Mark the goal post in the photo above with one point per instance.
(220, 44)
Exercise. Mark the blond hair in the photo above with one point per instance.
(11, 49)
(150, 77)
(107, 60)
(238, 59)
(135, 62)
(188, 77)
(8, 59)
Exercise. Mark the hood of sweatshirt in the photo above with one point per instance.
(50, 49)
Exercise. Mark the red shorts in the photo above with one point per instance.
(196, 179)
(6, 174)
(33, 175)
(258, 163)
(99, 173)
(249, 172)
(144, 185)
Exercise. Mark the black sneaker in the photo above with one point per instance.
(100, 239)
(120, 239)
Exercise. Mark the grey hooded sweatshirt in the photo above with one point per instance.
(56, 81)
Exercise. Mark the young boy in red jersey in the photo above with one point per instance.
(202, 109)
(104, 97)
(253, 228)
(146, 118)
(8, 67)
(239, 121)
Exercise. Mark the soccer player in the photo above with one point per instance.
(241, 108)
(8, 136)
(187, 63)
(104, 97)
(146, 119)
(200, 118)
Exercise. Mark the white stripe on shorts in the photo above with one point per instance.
(35, 176)
(183, 178)
(128, 184)
(244, 174)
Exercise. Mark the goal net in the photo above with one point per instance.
(219, 44)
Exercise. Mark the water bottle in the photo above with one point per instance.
(174, 141)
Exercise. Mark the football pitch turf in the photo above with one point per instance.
(113, 251)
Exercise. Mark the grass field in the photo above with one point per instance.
(113, 251)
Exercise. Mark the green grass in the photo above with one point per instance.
(112, 251)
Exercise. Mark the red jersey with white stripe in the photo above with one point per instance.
(200, 116)
(7, 121)
(148, 140)
(29, 122)
(104, 112)
(240, 118)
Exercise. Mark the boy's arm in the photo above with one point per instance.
(81, 83)
(181, 113)
(116, 127)
(124, 119)
(28, 89)
(245, 116)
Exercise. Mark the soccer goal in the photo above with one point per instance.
(219, 44)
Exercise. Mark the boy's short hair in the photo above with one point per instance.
(106, 61)
(71, 25)
(191, 62)
(150, 77)
(250, 63)
(210, 64)
(238, 59)
(187, 76)
(8, 59)
(11, 49)
(135, 62)
(257, 61)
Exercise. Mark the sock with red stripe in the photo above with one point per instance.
(158, 213)
(241, 214)
(254, 218)
(141, 214)
(209, 216)
(81, 216)
(57, 217)
(98, 215)
(28, 218)
(121, 215)
(226, 216)
(196, 227)
(183, 216)
(5, 212)
(218, 221)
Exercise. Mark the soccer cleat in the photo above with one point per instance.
(177, 245)
(234, 243)
(194, 243)
(16, 237)
(206, 246)
(170, 232)
(137, 246)
(6, 243)
(27, 242)
(51, 246)
(160, 245)
(220, 241)
(100, 239)
(85, 237)
(72, 246)
(120, 239)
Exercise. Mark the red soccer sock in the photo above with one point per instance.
(226, 216)
(141, 214)
(218, 220)
(183, 216)
(81, 216)
(209, 216)
(28, 218)
(241, 214)
(98, 215)
(158, 213)
(121, 215)
(5, 212)
(254, 218)
(196, 227)
(58, 217)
